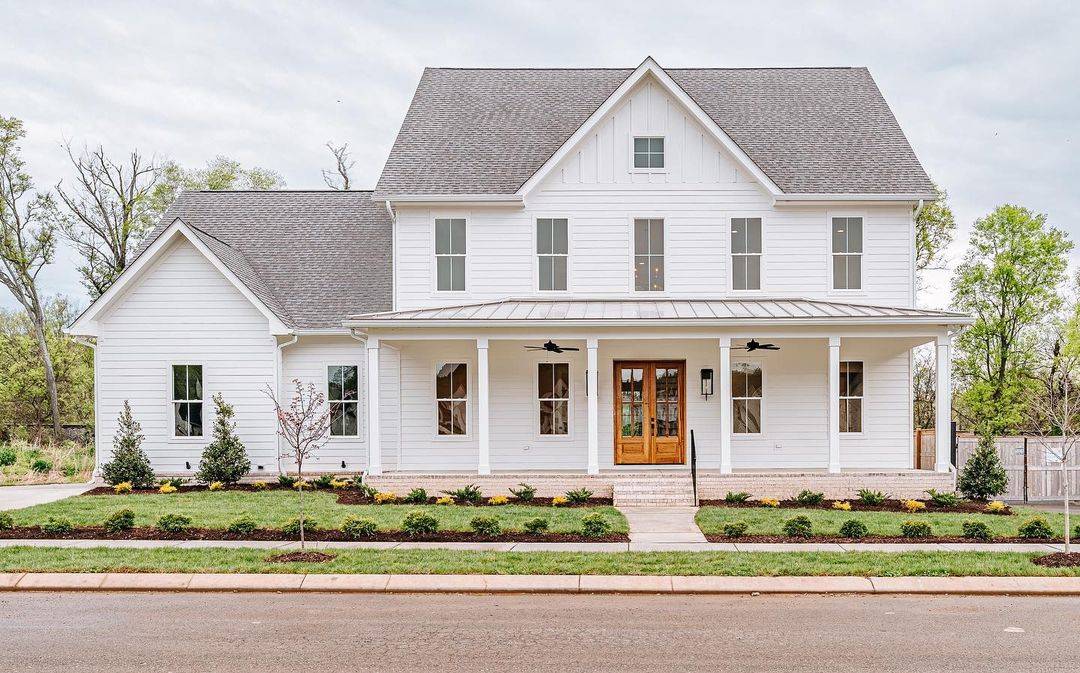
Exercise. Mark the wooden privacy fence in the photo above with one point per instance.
(1033, 464)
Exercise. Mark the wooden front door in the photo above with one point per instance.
(650, 413)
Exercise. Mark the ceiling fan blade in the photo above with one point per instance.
(770, 347)
(568, 348)
(535, 348)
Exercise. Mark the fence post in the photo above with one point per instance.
(1025, 468)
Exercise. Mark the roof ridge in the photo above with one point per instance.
(631, 68)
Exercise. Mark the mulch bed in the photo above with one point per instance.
(871, 538)
(856, 506)
(357, 498)
(186, 488)
(301, 557)
(1058, 560)
(272, 535)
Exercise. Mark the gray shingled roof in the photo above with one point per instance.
(313, 257)
(811, 130)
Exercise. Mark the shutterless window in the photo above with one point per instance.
(450, 254)
(649, 255)
(343, 388)
(648, 152)
(451, 398)
(187, 399)
(747, 393)
(851, 396)
(553, 392)
(746, 253)
(847, 248)
(552, 250)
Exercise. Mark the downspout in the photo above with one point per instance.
(277, 391)
(92, 344)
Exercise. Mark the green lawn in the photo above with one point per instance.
(217, 560)
(271, 509)
(767, 521)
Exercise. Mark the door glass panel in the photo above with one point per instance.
(631, 401)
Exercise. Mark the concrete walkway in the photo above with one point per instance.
(663, 525)
(17, 497)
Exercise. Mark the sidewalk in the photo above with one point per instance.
(17, 497)
(548, 584)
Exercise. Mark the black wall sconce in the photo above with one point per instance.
(706, 383)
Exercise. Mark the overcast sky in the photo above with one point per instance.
(988, 93)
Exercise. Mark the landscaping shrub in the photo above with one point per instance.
(418, 522)
(769, 502)
(868, 497)
(842, 505)
(286, 481)
(912, 506)
(417, 496)
(41, 466)
(469, 495)
(996, 507)
(385, 497)
(799, 526)
(594, 525)
(224, 458)
(943, 498)
(559, 500)
(915, 529)
(498, 500)
(854, 529)
(8, 456)
(485, 525)
(1075, 535)
(120, 521)
(292, 527)
(536, 525)
(983, 475)
(243, 525)
(810, 498)
(444, 500)
(338, 484)
(356, 528)
(300, 485)
(259, 486)
(736, 497)
(129, 462)
(977, 530)
(524, 492)
(215, 486)
(55, 526)
(122, 488)
(6, 521)
(579, 496)
(366, 490)
(175, 482)
(323, 481)
(735, 529)
(166, 488)
(1035, 528)
(174, 523)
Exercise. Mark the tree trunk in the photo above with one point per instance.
(37, 317)
(1065, 483)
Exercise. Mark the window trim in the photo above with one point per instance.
(630, 148)
(862, 397)
(760, 362)
(436, 365)
(761, 256)
(633, 254)
(170, 401)
(569, 401)
(536, 255)
(361, 381)
(434, 256)
(830, 255)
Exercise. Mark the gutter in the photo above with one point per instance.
(91, 342)
(832, 197)
(277, 390)
(458, 199)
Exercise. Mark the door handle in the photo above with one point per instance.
(652, 424)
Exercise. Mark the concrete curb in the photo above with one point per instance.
(546, 584)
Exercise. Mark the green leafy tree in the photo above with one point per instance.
(934, 230)
(129, 461)
(983, 476)
(1009, 281)
(220, 174)
(224, 459)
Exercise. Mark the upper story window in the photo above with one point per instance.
(552, 250)
(452, 398)
(851, 396)
(847, 248)
(648, 152)
(649, 255)
(343, 388)
(187, 400)
(746, 253)
(450, 254)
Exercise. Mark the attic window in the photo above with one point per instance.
(648, 152)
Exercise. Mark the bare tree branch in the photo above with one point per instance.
(338, 177)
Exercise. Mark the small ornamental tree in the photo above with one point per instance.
(224, 459)
(305, 427)
(983, 477)
(129, 462)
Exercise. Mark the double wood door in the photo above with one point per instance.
(650, 412)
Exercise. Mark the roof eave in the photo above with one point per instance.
(867, 198)
(455, 199)
(359, 322)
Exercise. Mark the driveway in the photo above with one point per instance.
(17, 497)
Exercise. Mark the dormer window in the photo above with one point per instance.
(648, 152)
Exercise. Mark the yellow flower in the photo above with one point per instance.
(385, 496)
(167, 488)
(769, 502)
(300, 485)
(842, 505)
(122, 488)
(559, 500)
(260, 485)
(912, 506)
(216, 486)
(498, 500)
(445, 500)
(338, 484)
(996, 506)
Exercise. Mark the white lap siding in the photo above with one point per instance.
(184, 311)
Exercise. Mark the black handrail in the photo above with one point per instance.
(693, 466)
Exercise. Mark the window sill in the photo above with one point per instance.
(659, 171)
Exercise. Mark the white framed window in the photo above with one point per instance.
(851, 396)
(649, 255)
(450, 251)
(187, 400)
(452, 398)
(552, 253)
(553, 395)
(343, 396)
(648, 151)
(747, 397)
(746, 253)
(847, 249)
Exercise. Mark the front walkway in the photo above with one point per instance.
(663, 525)
(17, 497)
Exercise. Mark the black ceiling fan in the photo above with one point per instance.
(753, 345)
(551, 347)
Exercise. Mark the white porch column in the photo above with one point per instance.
(592, 389)
(943, 411)
(483, 434)
(725, 404)
(374, 465)
(834, 404)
